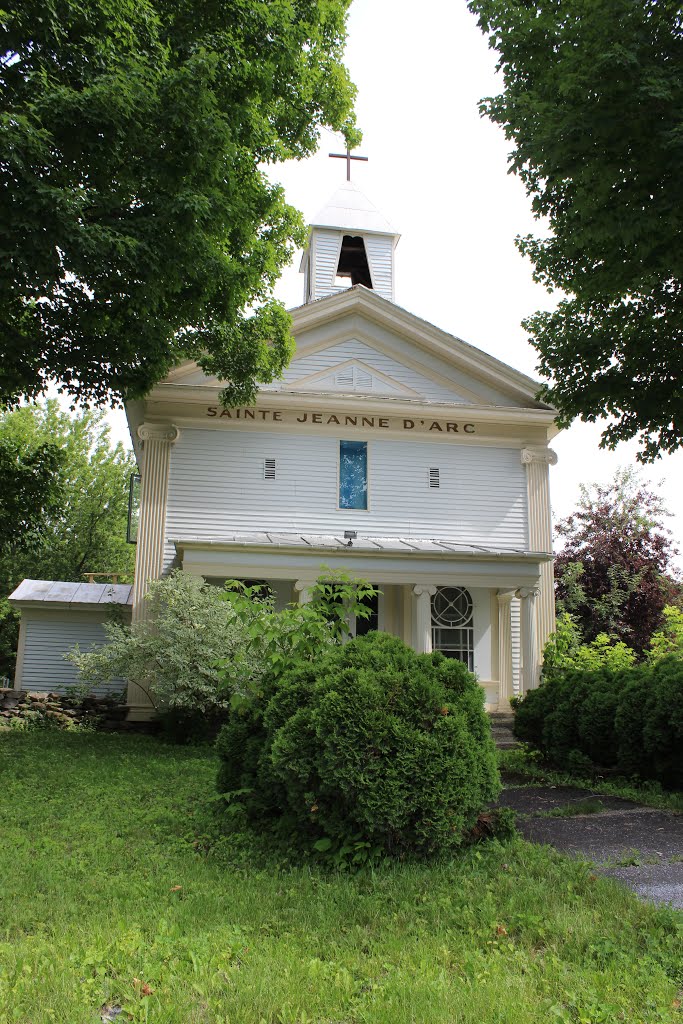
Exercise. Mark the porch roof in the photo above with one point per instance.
(325, 542)
(384, 559)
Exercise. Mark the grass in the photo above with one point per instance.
(527, 768)
(107, 900)
(590, 805)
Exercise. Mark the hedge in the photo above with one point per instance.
(629, 720)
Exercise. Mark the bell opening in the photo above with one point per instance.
(353, 263)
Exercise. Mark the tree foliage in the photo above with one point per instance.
(137, 225)
(203, 650)
(296, 633)
(64, 503)
(565, 649)
(173, 654)
(592, 102)
(614, 573)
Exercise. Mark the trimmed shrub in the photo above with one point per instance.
(630, 720)
(373, 742)
(649, 723)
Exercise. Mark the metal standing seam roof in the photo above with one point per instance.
(366, 545)
(84, 595)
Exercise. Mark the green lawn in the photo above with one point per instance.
(96, 839)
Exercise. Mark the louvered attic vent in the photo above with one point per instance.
(434, 477)
(354, 377)
(269, 469)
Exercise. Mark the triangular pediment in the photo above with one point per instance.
(351, 375)
(355, 364)
(359, 343)
(438, 367)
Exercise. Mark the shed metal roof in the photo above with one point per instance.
(84, 595)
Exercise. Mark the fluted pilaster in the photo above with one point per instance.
(537, 462)
(505, 646)
(157, 439)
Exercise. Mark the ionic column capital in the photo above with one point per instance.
(420, 588)
(158, 432)
(538, 454)
(506, 596)
(527, 592)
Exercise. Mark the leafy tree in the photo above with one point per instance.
(137, 225)
(175, 653)
(614, 573)
(592, 103)
(299, 632)
(669, 639)
(65, 503)
(30, 489)
(565, 649)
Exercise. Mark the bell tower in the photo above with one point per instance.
(350, 242)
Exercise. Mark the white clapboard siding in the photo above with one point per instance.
(217, 487)
(304, 366)
(380, 253)
(47, 639)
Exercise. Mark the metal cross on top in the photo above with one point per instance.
(347, 156)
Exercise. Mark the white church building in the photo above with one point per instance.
(390, 449)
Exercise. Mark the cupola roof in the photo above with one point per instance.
(349, 209)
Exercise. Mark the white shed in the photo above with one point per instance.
(56, 616)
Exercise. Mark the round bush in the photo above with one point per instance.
(372, 742)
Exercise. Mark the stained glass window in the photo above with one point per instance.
(353, 474)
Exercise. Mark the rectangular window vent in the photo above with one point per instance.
(434, 477)
(269, 469)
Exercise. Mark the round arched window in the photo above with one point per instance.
(453, 624)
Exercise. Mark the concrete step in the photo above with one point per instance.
(501, 729)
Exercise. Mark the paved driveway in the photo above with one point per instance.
(640, 846)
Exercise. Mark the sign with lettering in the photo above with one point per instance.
(341, 420)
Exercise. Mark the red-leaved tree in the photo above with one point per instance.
(614, 573)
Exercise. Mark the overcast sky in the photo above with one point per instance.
(438, 171)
